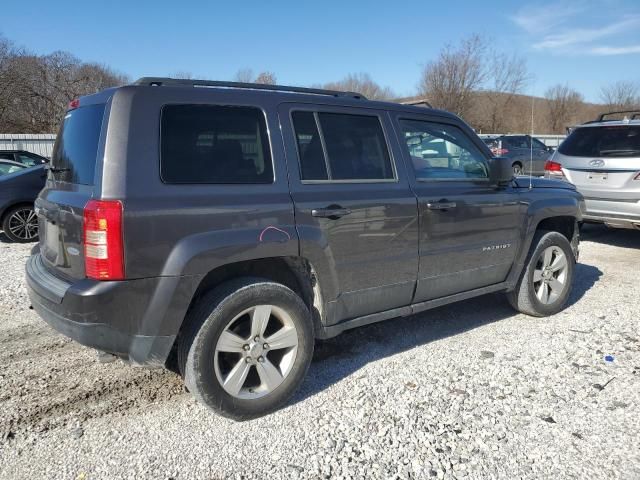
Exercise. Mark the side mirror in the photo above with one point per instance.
(500, 171)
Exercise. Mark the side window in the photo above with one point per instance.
(310, 153)
(214, 144)
(538, 144)
(344, 147)
(7, 156)
(441, 151)
(27, 160)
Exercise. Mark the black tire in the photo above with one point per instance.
(523, 298)
(517, 168)
(207, 320)
(6, 224)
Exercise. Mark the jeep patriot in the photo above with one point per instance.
(220, 228)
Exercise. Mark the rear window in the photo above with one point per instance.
(214, 144)
(76, 150)
(611, 141)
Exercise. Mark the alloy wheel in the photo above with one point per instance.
(550, 275)
(23, 224)
(256, 351)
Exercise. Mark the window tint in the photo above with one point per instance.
(7, 168)
(214, 144)
(7, 156)
(29, 160)
(440, 151)
(538, 144)
(516, 142)
(356, 147)
(613, 141)
(76, 149)
(312, 163)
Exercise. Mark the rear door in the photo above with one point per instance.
(540, 156)
(469, 229)
(355, 212)
(70, 184)
(603, 162)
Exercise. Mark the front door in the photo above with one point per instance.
(355, 212)
(469, 228)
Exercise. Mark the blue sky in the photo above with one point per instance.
(586, 44)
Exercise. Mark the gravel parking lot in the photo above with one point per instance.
(469, 390)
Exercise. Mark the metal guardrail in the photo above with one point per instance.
(40, 143)
(549, 140)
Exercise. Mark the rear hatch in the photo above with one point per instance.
(70, 185)
(603, 161)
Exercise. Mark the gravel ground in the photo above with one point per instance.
(469, 390)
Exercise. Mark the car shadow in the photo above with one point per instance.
(4, 238)
(616, 237)
(339, 357)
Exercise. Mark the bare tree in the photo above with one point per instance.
(621, 95)
(244, 75)
(35, 90)
(563, 103)
(450, 81)
(506, 78)
(266, 78)
(361, 83)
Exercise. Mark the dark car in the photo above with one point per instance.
(520, 150)
(22, 156)
(220, 228)
(19, 187)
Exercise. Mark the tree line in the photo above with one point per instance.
(472, 79)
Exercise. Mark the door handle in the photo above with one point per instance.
(441, 205)
(332, 213)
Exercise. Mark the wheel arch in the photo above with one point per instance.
(296, 273)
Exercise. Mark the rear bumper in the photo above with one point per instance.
(614, 213)
(137, 320)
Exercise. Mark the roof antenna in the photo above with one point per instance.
(533, 99)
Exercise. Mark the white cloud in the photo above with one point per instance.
(544, 17)
(579, 36)
(615, 50)
(567, 28)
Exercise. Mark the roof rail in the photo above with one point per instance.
(160, 81)
(636, 112)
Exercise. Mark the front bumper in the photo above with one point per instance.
(613, 213)
(137, 320)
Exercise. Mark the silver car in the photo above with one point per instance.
(602, 159)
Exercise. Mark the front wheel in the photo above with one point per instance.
(247, 347)
(545, 284)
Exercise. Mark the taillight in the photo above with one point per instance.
(75, 103)
(498, 152)
(551, 166)
(103, 243)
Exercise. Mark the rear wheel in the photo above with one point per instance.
(517, 168)
(545, 283)
(247, 347)
(20, 224)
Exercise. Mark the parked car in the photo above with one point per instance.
(221, 230)
(602, 159)
(19, 187)
(518, 149)
(22, 156)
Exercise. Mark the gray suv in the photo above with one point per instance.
(602, 159)
(221, 228)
